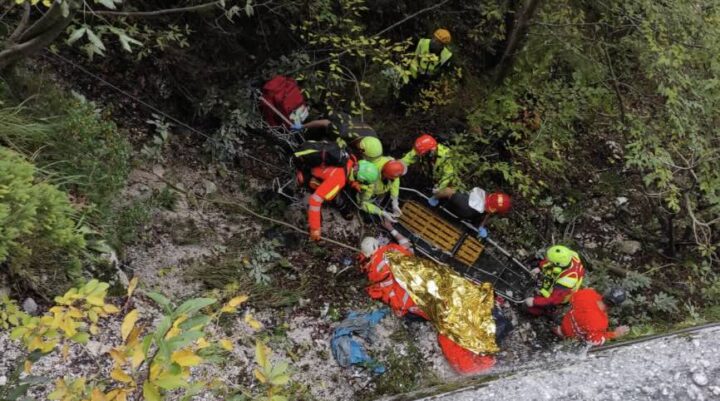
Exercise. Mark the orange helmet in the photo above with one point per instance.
(497, 202)
(425, 144)
(393, 169)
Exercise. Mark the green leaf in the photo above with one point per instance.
(191, 306)
(151, 392)
(171, 382)
(81, 338)
(107, 3)
(184, 339)
(163, 327)
(76, 35)
(163, 349)
(95, 40)
(195, 321)
(160, 300)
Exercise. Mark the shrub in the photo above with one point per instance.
(38, 239)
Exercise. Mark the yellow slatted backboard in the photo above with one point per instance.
(438, 232)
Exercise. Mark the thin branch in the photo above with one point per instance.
(157, 13)
(22, 25)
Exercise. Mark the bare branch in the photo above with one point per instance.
(157, 13)
(22, 25)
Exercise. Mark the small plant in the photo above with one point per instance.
(262, 260)
(274, 377)
(153, 151)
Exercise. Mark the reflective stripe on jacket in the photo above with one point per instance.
(425, 62)
(384, 287)
(370, 192)
(441, 168)
(557, 287)
(333, 180)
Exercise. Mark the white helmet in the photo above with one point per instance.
(369, 245)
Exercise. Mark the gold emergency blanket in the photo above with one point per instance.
(460, 309)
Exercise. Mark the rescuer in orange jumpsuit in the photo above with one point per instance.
(563, 274)
(587, 318)
(384, 287)
(328, 182)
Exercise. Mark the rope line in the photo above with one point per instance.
(239, 205)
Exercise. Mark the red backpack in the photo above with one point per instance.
(284, 94)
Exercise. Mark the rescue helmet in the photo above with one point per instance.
(367, 172)
(560, 255)
(371, 147)
(443, 36)
(498, 202)
(394, 169)
(369, 245)
(425, 144)
(614, 296)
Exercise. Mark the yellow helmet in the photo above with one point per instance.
(443, 36)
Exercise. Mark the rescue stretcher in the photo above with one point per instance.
(438, 234)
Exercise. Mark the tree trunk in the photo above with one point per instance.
(27, 42)
(516, 39)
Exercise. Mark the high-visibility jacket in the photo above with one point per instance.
(586, 320)
(380, 187)
(559, 284)
(384, 287)
(427, 63)
(441, 167)
(463, 360)
(327, 181)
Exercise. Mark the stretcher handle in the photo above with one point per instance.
(274, 109)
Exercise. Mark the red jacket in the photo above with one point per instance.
(384, 287)
(557, 288)
(329, 181)
(586, 320)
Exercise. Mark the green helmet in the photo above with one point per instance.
(367, 172)
(371, 147)
(560, 255)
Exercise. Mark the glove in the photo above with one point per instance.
(315, 235)
(529, 302)
(535, 272)
(396, 207)
(296, 126)
(355, 185)
(389, 217)
(433, 201)
(482, 232)
(621, 331)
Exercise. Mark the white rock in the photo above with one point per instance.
(30, 306)
(620, 200)
(700, 378)
(3, 380)
(629, 247)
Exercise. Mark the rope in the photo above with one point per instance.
(251, 212)
(244, 208)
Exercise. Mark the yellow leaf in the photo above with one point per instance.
(131, 287)
(155, 370)
(27, 366)
(65, 351)
(151, 392)
(118, 356)
(235, 302)
(226, 344)
(94, 329)
(252, 322)
(185, 357)
(75, 313)
(138, 356)
(172, 333)
(128, 323)
(134, 335)
(261, 351)
(96, 299)
(202, 343)
(97, 395)
(119, 375)
(261, 377)
(110, 309)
